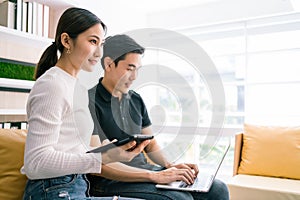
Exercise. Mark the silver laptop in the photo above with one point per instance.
(202, 182)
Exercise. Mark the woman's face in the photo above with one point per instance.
(86, 50)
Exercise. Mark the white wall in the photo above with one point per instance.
(121, 16)
(217, 12)
(118, 15)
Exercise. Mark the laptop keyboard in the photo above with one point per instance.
(198, 182)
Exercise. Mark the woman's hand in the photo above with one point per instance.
(120, 154)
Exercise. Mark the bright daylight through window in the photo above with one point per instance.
(258, 61)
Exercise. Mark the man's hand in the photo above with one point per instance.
(187, 166)
(120, 154)
(173, 174)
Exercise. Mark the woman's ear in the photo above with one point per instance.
(108, 63)
(66, 41)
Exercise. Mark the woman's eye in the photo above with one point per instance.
(94, 41)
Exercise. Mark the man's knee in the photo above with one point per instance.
(220, 190)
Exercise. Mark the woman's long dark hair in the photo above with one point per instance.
(73, 22)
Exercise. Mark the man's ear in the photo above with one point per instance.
(65, 40)
(108, 63)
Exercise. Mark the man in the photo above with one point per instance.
(119, 112)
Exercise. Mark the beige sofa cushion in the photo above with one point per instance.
(12, 182)
(249, 187)
(271, 151)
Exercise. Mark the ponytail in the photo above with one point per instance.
(48, 59)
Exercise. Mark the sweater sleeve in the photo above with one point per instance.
(46, 106)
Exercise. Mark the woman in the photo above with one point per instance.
(60, 124)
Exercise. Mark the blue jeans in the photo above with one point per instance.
(218, 191)
(67, 187)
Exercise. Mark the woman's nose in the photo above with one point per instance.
(98, 51)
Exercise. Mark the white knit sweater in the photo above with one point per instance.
(60, 127)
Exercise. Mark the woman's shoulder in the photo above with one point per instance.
(56, 73)
(54, 80)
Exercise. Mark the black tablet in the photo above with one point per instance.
(138, 138)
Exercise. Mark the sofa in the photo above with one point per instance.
(266, 164)
(12, 182)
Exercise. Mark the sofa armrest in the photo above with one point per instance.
(12, 182)
(237, 152)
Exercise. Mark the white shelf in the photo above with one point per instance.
(26, 47)
(8, 34)
(61, 4)
(14, 83)
(12, 112)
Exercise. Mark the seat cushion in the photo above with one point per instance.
(249, 187)
(271, 151)
(12, 182)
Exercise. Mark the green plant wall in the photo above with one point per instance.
(16, 71)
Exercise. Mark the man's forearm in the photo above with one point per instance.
(158, 158)
(122, 172)
(154, 152)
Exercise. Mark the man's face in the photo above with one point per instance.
(125, 72)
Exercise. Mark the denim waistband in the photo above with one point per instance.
(73, 185)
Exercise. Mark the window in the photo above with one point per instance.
(258, 61)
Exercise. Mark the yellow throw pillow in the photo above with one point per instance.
(12, 182)
(271, 151)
